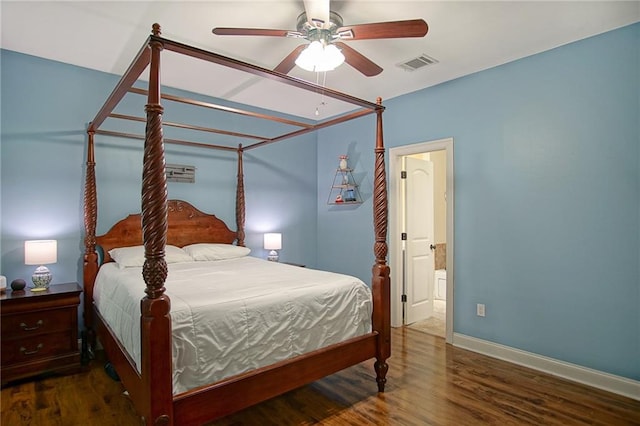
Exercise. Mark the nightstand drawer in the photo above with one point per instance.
(37, 322)
(36, 347)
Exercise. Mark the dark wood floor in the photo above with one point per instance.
(429, 383)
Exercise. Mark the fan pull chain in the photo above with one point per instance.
(324, 81)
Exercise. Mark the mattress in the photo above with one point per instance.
(232, 316)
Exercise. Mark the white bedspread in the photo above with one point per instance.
(231, 316)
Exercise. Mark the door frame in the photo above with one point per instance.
(395, 225)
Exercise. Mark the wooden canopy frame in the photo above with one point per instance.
(151, 388)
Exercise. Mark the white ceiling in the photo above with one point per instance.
(465, 37)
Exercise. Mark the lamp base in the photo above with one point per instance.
(273, 256)
(41, 278)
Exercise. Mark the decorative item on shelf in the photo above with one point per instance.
(339, 198)
(343, 162)
(40, 252)
(18, 285)
(273, 242)
(3, 284)
(349, 195)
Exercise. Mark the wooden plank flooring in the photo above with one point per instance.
(429, 383)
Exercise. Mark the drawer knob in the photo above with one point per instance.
(35, 351)
(35, 327)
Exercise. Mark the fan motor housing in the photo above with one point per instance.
(304, 26)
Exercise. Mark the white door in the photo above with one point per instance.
(420, 238)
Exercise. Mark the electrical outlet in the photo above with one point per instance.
(480, 309)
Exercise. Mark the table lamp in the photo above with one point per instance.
(273, 242)
(40, 252)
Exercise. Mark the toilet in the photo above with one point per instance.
(440, 287)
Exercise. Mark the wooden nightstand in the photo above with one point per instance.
(39, 332)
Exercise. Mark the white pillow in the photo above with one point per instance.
(127, 257)
(205, 251)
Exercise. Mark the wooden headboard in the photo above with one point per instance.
(186, 225)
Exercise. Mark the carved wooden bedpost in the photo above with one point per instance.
(240, 199)
(90, 269)
(155, 320)
(380, 281)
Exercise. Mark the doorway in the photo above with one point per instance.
(398, 200)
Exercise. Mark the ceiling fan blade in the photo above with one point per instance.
(289, 62)
(394, 29)
(250, 32)
(358, 60)
(317, 12)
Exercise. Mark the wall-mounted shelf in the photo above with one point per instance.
(344, 189)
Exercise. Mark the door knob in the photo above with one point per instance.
(432, 247)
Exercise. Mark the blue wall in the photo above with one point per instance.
(547, 198)
(546, 175)
(43, 154)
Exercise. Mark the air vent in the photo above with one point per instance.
(417, 63)
(180, 173)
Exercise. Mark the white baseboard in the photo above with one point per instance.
(597, 379)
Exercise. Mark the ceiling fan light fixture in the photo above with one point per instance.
(319, 57)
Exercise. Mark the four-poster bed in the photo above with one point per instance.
(165, 222)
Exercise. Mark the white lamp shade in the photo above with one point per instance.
(317, 57)
(40, 252)
(272, 241)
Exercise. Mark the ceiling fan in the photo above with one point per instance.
(325, 31)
